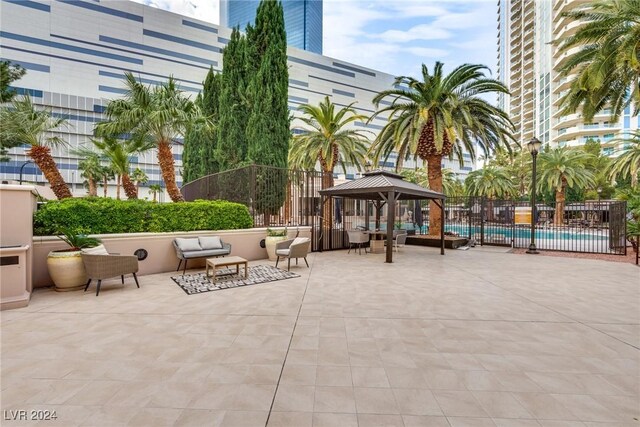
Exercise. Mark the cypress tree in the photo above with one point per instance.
(233, 111)
(211, 107)
(198, 156)
(191, 152)
(268, 124)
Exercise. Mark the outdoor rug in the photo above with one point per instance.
(227, 279)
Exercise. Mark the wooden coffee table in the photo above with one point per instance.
(217, 263)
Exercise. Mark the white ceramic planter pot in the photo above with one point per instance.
(270, 244)
(67, 270)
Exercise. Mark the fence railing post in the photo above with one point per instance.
(482, 213)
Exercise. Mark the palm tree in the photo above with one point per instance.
(325, 140)
(22, 123)
(627, 163)
(562, 168)
(491, 182)
(155, 189)
(441, 116)
(92, 170)
(160, 113)
(139, 177)
(106, 174)
(607, 64)
(118, 153)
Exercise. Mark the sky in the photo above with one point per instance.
(394, 36)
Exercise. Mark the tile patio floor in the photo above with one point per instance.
(474, 338)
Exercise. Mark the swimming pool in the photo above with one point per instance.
(520, 233)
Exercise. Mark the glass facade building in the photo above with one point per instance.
(302, 18)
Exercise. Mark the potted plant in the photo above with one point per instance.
(65, 265)
(273, 237)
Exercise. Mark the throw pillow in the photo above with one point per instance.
(298, 240)
(187, 245)
(96, 250)
(213, 242)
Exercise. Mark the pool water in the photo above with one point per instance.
(520, 233)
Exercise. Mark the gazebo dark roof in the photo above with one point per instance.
(376, 184)
(387, 187)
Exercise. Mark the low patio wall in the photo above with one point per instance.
(162, 255)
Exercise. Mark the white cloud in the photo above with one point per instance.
(429, 52)
(419, 32)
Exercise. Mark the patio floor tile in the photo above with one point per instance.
(474, 338)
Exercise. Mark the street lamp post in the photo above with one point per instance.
(22, 168)
(534, 147)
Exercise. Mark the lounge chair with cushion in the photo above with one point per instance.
(293, 248)
(199, 247)
(357, 239)
(106, 266)
(399, 240)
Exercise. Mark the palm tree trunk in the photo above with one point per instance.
(560, 202)
(434, 172)
(105, 183)
(42, 157)
(129, 187)
(93, 188)
(167, 166)
(155, 195)
(118, 186)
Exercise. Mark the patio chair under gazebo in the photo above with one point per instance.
(387, 187)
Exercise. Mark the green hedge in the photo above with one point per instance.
(95, 215)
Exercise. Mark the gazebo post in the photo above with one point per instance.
(441, 226)
(391, 211)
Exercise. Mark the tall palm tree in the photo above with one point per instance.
(118, 153)
(491, 182)
(161, 113)
(155, 189)
(441, 116)
(106, 175)
(139, 177)
(562, 168)
(607, 64)
(326, 140)
(627, 163)
(91, 170)
(23, 123)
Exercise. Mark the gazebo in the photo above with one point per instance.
(386, 187)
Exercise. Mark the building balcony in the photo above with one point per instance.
(560, 59)
(566, 30)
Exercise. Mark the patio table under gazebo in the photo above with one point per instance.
(387, 187)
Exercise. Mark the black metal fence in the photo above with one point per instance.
(279, 197)
(589, 227)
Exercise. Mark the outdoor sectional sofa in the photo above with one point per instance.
(199, 247)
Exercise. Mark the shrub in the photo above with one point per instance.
(93, 215)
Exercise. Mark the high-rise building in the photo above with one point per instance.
(77, 54)
(527, 64)
(302, 20)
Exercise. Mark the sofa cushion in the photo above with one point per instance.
(299, 240)
(210, 242)
(205, 254)
(282, 252)
(96, 250)
(187, 245)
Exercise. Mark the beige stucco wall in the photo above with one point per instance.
(17, 204)
(162, 255)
